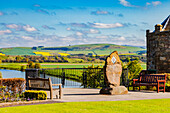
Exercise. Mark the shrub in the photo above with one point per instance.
(37, 65)
(94, 77)
(167, 81)
(22, 68)
(34, 94)
(15, 85)
(30, 64)
(0, 75)
(134, 69)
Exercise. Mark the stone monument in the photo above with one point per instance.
(113, 71)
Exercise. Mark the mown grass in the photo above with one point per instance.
(134, 106)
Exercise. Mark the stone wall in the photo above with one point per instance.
(158, 50)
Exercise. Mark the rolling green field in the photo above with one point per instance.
(134, 106)
(99, 49)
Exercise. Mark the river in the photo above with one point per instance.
(55, 80)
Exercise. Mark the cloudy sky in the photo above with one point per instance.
(27, 23)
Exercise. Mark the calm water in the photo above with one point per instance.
(55, 80)
(12, 74)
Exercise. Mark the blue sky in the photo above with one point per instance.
(27, 23)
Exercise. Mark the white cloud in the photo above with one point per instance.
(29, 28)
(1, 13)
(126, 3)
(36, 5)
(12, 26)
(20, 27)
(99, 12)
(122, 38)
(155, 3)
(147, 3)
(27, 38)
(103, 36)
(93, 31)
(68, 29)
(2, 32)
(102, 25)
(79, 33)
(68, 39)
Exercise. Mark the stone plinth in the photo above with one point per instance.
(118, 90)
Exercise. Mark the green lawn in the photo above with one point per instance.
(134, 106)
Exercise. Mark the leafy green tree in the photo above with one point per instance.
(22, 68)
(128, 59)
(37, 61)
(30, 64)
(37, 65)
(41, 61)
(56, 57)
(26, 59)
(18, 58)
(136, 58)
(64, 58)
(134, 69)
(45, 58)
(94, 77)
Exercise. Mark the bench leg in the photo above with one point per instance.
(139, 88)
(60, 93)
(51, 94)
(164, 87)
(158, 88)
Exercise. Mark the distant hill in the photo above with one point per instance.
(100, 49)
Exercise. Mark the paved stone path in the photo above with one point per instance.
(80, 94)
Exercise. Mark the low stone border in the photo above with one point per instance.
(20, 103)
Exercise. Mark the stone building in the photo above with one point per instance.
(158, 47)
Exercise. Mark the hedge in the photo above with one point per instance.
(34, 94)
(15, 85)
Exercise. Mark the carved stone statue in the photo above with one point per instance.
(113, 71)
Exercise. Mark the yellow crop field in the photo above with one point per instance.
(64, 54)
(42, 53)
(1, 54)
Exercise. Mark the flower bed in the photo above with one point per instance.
(11, 89)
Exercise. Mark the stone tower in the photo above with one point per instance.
(158, 47)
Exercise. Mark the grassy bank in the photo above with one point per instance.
(134, 106)
(11, 66)
(17, 66)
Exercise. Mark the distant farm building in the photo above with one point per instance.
(158, 47)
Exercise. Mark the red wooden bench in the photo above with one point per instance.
(157, 80)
